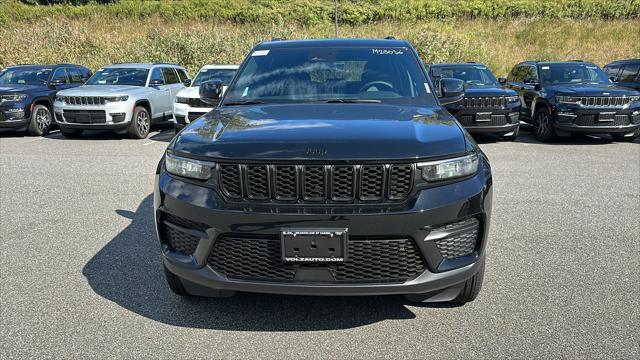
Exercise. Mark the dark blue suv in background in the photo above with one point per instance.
(624, 73)
(562, 98)
(487, 107)
(27, 93)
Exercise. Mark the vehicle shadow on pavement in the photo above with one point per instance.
(128, 271)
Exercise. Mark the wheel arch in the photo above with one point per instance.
(43, 100)
(537, 103)
(145, 104)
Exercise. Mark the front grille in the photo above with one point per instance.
(484, 102)
(259, 258)
(84, 100)
(492, 120)
(176, 239)
(456, 239)
(594, 120)
(192, 116)
(85, 116)
(604, 101)
(316, 183)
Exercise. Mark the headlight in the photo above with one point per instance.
(188, 167)
(182, 100)
(568, 99)
(59, 98)
(512, 99)
(116, 98)
(12, 97)
(450, 168)
(634, 98)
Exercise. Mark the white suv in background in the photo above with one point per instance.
(188, 105)
(125, 98)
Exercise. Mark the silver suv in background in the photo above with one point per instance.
(125, 98)
(188, 105)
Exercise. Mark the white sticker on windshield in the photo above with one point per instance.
(545, 68)
(245, 92)
(260, 53)
(387, 52)
(426, 87)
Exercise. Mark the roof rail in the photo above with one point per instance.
(278, 39)
(472, 62)
(165, 63)
(390, 37)
(577, 60)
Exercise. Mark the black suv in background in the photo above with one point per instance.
(561, 98)
(624, 73)
(27, 93)
(487, 107)
(329, 168)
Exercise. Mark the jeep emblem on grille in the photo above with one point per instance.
(315, 151)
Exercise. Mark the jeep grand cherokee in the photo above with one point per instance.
(330, 167)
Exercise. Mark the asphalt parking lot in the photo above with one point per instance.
(81, 273)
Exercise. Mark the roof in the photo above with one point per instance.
(212, 66)
(40, 66)
(140, 65)
(284, 44)
(624, 61)
(458, 64)
(556, 62)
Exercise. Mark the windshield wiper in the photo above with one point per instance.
(243, 102)
(349, 101)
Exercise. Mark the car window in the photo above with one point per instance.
(471, 74)
(170, 76)
(30, 76)
(572, 73)
(304, 74)
(75, 75)
(60, 75)
(530, 74)
(209, 74)
(629, 72)
(517, 74)
(612, 70)
(182, 74)
(119, 76)
(156, 74)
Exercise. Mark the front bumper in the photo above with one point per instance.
(15, 116)
(415, 220)
(489, 120)
(184, 114)
(111, 116)
(573, 119)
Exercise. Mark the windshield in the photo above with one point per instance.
(331, 74)
(119, 76)
(209, 74)
(24, 76)
(572, 74)
(472, 75)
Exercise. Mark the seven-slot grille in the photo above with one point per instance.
(316, 183)
(192, 116)
(198, 103)
(598, 101)
(84, 100)
(484, 102)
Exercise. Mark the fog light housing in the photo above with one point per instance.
(515, 117)
(117, 117)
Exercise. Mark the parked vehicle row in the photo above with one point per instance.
(557, 98)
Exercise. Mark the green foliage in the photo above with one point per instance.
(308, 12)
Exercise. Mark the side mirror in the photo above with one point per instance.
(451, 90)
(613, 79)
(502, 81)
(156, 82)
(186, 82)
(56, 82)
(211, 92)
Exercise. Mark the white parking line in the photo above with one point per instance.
(150, 142)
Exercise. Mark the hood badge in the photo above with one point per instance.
(315, 152)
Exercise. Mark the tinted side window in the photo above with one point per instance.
(530, 75)
(182, 75)
(170, 76)
(75, 75)
(156, 74)
(517, 74)
(60, 75)
(629, 72)
(612, 70)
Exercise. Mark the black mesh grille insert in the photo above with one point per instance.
(178, 240)
(342, 180)
(460, 239)
(487, 120)
(602, 120)
(316, 183)
(400, 181)
(259, 258)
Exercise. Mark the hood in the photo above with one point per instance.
(322, 132)
(486, 91)
(17, 88)
(191, 92)
(99, 90)
(590, 90)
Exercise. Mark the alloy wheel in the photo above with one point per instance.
(543, 124)
(43, 119)
(142, 121)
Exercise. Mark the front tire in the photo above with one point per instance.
(175, 284)
(543, 125)
(471, 288)
(622, 138)
(40, 123)
(140, 123)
